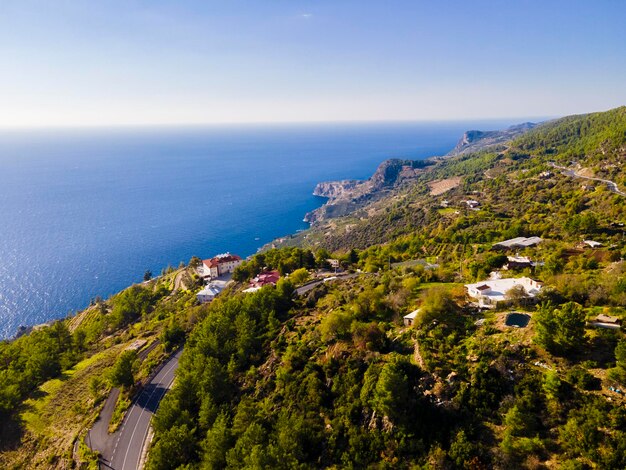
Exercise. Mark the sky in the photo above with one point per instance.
(158, 62)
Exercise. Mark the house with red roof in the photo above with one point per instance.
(220, 265)
(265, 278)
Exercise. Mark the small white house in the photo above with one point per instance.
(518, 262)
(489, 293)
(209, 293)
(606, 321)
(410, 318)
(592, 244)
(334, 263)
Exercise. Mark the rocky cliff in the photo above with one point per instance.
(334, 189)
(473, 141)
(348, 195)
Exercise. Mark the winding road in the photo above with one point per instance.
(122, 450)
(311, 285)
(569, 172)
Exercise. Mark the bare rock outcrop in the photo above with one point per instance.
(348, 195)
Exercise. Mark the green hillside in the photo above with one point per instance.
(330, 376)
(335, 379)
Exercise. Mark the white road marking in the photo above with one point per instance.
(140, 415)
(143, 441)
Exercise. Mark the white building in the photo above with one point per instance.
(518, 262)
(489, 293)
(410, 318)
(209, 292)
(517, 243)
(220, 264)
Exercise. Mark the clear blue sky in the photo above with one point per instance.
(101, 62)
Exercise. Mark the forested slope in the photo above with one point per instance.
(335, 379)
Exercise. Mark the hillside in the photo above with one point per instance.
(344, 197)
(474, 141)
(55, 380)
(334, 378)
(325, 370)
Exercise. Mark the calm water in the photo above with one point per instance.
(85, 213)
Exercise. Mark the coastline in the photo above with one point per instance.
(87, 277)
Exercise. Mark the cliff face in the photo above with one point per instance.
(334, 189)
(473, 141)
(348, 195)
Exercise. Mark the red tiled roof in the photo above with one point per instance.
(483, 287)
(263, 279)
(217, 260)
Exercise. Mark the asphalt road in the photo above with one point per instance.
(127, 443)
(569, 172)
(310, 286)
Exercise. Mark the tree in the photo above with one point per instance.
(560, 331)
(461, 450)
(516, 295)
(172, 335)
(353, 256)
(217, 443)
(551, 385)
(392, 391)
(438, 305)
(174, 448)
(299, 276)
(122, 372)
(147, 275)
(96, 385)
(130, 304)
(619, 372)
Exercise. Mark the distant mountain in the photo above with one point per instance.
(475, 140)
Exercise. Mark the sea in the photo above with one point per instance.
(85, 212)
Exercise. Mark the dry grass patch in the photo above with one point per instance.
(60, 410)
(441, 186)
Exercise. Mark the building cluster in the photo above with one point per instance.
(215, 272)
(491, 293)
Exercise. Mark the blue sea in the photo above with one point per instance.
(84, 213)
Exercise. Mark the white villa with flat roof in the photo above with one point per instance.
(489, 293)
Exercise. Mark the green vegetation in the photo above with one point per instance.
(54, 379)
(122, 372)
(334, 378)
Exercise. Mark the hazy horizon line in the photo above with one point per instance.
(231, 124)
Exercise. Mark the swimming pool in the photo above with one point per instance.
(517, 320)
